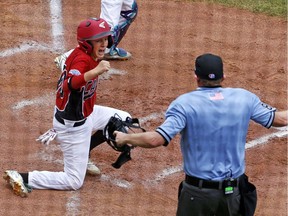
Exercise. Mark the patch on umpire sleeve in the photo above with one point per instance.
(267, 106)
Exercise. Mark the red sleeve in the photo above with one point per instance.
(77, 65)
(77, 81)
(76, 73)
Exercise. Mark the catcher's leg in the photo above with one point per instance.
(97, 139)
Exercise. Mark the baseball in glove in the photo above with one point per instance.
(115, 123)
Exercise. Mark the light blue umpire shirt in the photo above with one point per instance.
(213, 123)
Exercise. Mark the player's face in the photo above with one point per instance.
(99, 47)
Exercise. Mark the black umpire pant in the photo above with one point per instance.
(195, 201)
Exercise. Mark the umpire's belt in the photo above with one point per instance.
(76, 124)
(201, 183)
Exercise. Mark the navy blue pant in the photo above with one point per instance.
(195, 201)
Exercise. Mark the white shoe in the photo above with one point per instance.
(16, 181)
(92, 169)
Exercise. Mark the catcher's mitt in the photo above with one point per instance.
(115, 123)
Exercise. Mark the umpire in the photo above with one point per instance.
(213, 122)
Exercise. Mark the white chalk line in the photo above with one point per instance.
(163, 174)
(118, 182)
(24, 47)
(283, 131)
(56, 30)
(57, 35)
(43, 100)
(57, 25)
(73, 203)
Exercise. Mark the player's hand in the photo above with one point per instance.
(102, 67)
(47, 137)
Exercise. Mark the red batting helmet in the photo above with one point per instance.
(93, 29)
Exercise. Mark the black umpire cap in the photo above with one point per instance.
(209, 67)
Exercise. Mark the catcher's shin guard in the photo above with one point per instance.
(97, 139)
(121, 29)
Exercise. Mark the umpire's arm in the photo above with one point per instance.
(280, 119)
(145, 140)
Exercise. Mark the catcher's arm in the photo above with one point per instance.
(145, 140)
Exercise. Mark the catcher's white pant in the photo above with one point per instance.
(110, 11)
(75, 145)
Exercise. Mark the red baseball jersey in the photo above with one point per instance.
(75, 98)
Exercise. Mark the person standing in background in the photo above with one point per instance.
(119, 14)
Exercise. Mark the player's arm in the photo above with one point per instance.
(280, 119)
(145, 140)
(76, 79)
(102, 67)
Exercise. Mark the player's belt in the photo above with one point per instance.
(201, 183)
(76, 124)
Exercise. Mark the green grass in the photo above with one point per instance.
(269, 7)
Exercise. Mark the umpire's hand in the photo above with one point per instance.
(120, 138)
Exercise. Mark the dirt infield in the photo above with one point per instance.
(164, 44)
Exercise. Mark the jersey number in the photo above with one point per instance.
(60, 84)
(90, 88)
